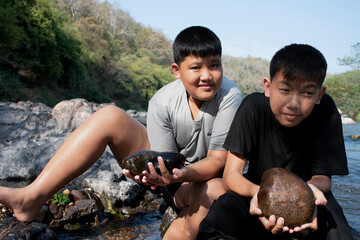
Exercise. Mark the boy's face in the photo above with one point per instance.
(292, 101)
(201, 77)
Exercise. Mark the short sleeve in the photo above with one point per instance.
(242, 134)
(224, 118)
(159, 128)
(329, 156)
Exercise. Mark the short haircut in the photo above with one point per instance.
(195, 41)
(299, 62)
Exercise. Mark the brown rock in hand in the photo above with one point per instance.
(284, 194)
(138, 162)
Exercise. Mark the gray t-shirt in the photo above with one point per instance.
(171, 128)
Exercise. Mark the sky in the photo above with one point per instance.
(258, 28)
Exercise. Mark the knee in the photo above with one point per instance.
(214, 188)
(209, 192)
(111, 115)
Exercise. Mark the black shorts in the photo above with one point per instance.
(168, 195)
(229, 218)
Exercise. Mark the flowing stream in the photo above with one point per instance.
(347, 188)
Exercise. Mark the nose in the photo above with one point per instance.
(293, 101)
(205, 74)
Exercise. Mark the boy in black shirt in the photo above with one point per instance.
(296, 126)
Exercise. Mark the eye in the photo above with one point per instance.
(195, 68)
(284, 90)
(215, 66)
(308, 93)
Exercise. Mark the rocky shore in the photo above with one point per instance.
(30, 133)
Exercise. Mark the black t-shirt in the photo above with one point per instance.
(314, 147)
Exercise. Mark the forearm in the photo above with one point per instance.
(203, 170)
(236, 182)
(233, 178)
(322, 182)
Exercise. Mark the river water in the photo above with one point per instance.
(345, 188)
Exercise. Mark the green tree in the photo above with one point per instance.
(352, 61)
(345, 90)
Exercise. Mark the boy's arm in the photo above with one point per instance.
(203, 170)
(233, 178)
(322, 182)
(207, 168)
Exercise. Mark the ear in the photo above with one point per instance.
(267, 83)
(176, 70)
(321, 94)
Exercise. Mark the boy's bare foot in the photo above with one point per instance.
(23, 205)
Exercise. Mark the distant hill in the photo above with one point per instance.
(247, 72)
(52, 50)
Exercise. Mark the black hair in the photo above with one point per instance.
(299, 62)
(195, 41)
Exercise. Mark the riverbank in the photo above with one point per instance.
(30, 133)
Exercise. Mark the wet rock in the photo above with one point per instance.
(80, 209)
(90, 195)
(5, 212)
(355, 137)
(284, 194)
(119, 190)
(53, 208)
(11, 228)
(42, 214)
(138, 162)
(77, 195)
(168, 218)
(150, 196)
(130, 211)
(60, 212)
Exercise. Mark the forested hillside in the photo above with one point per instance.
(247, 72)
(51, 50)
(345, 90)
(80, 49)
(59, 49)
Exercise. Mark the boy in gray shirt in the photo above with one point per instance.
(191, 116)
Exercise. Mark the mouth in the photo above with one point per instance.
(291, 117)
(206, 87)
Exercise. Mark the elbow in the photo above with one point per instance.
(226, 183)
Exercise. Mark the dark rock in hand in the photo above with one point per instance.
(138, 162)
(284, 194)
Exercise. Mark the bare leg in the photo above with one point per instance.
(108, 126)
(195, 200)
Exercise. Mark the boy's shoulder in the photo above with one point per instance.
(229, 86)
(255, 96)
(256, 100)
(227, 83)
(325, 111)
(174, 89)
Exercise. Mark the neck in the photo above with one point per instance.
(195, 106)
